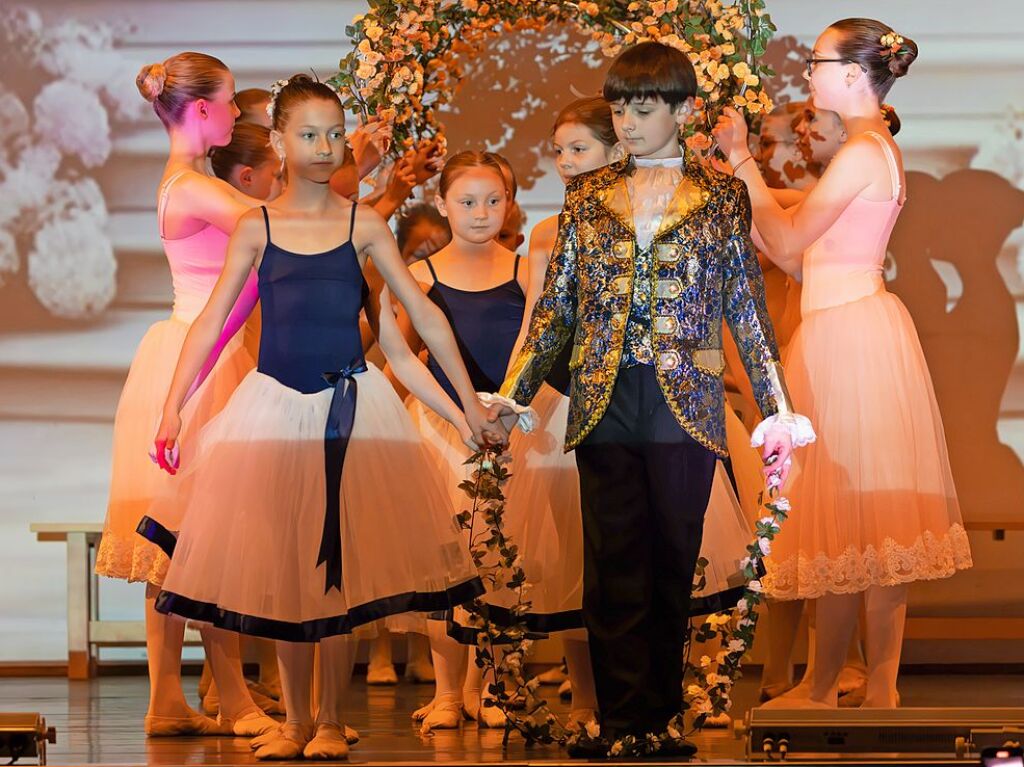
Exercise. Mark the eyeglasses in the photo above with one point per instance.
(809, 63)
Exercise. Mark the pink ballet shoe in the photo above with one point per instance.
(250, 725)
(351, 737)
(565, 690)
(423, 711)
(270, 689)
(446, 715)
(289, 744)
(383, 675)
(851, 678)
(269, 705)
(329, 743)
(554, 675)
(420, 673)
(488, 717)
(172, 726)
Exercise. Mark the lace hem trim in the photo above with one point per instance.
(930, 557)
(133, 560)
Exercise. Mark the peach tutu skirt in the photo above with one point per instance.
(135, 481)
(873, 499)
(246, 557)
(544, 516)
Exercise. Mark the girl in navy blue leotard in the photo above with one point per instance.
(301, 531)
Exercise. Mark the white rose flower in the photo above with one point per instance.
(704, 707)
(755, 586)
(87, 136)
(765, 545)
(743, 606)
(9, 261)
(71, 269)
(735, 646)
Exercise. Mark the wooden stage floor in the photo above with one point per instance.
(100, 722)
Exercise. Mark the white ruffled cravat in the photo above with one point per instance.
(651, 187)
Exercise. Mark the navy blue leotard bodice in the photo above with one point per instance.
(310, 308)
(485, 323)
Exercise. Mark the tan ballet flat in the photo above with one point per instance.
(329, 743)
(171, 726)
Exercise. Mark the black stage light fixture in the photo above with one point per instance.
(25, 736)
(801, 734)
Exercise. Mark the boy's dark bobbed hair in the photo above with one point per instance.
(649, 71)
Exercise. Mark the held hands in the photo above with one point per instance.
(165, 444)
(485, 425)
(777, 456)
(731, 133)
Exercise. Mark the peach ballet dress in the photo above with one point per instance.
(873, 499)
(135, 481)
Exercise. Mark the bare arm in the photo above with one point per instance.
(412, 374)
(542, 242)
(243, 250)
(375, 241)
(209, 200)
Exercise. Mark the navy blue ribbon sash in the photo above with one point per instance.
(340, 420)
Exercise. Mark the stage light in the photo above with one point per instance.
(25, 736)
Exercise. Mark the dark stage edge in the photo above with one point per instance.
(100, 722)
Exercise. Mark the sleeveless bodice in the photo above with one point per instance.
(195, 261)
(485, 324)
(310, 308)
(845, 264)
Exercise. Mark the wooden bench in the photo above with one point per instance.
(87, 631)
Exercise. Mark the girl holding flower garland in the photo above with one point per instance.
(290, 551)
(876, 504)
(192, 94)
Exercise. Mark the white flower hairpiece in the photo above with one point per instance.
(892, 44)
(278, 86)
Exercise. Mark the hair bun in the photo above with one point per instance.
(151, 80)
(892, 120)
(900, 62)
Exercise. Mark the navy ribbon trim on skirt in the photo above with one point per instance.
(156, 533)
(340, 419)
(169, 602)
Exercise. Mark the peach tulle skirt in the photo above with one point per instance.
(873, 499)
(135, 480)
(246, 557)
(544, 516)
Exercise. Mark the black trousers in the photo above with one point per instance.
(645, 485)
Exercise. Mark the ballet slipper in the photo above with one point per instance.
(250, 725)
(789, 703)
(170, 726)
(261, 740)
(351, 735)
(565, 690)
(420, 673)
(383, 675)
(488, 717)
(289, 744)
(329, 743)
(444, 715)
(423, 711)
(851, 678)
(554, 675)
(854, 698)
(718, 721)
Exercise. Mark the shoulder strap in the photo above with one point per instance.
(266, 221)
(161, 205)
(430, 266)
(515, 269)
(352, 223)
(890, 158)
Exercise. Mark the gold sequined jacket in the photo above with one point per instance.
(704, 269)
